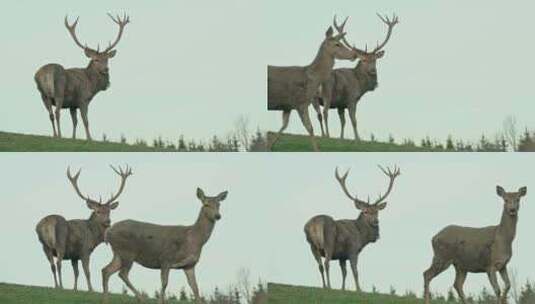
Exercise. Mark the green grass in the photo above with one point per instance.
(279, 293)
(19, 294)
(301, 143)
(12, 142)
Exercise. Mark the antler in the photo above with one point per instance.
(122, 23)
(74, 182)
(392, 176)
(72, 31)
(390, 24)
(124, 175)
(340, 30)
(342, 181)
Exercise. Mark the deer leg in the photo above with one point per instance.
(48, 106)
(341, 114)
(437, 266)
(353, 116)
(285, 120)
(83, 112)
(326, 265)
(460, 277)
(50, 257)
(507, 282)
(85, 266)
(326, 118)
(59, 103)
(74, 263)
(305, 119)
(107, 271)
(320, 117)
(317, 257)
(59, 259)
(343, 267)
(190, 275)
(354, 262)
(74, 122)
(494, 282)
(164, 274)
(123, 274)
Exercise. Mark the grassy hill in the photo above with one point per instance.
(279, 294)
(301, 143)
(19, 294)
(12, 142)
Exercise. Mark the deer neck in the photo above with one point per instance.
(368, 233)
(366, 81)
(203, 227)
(322, 66)
(96, 230)
(507, 227)
(99, 81)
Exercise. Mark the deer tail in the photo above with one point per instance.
(46, 231)
(46, 83)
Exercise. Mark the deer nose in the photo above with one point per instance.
(218, 216)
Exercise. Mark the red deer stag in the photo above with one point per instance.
(346, 86)
(294, 88)
(480, 250)
(343, 240)
(75, 88)
(76, 239)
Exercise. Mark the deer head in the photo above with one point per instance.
(211, 204)
(370, 211)
(333, 46)
(511, 200)
(368, 60)
(99, 60)
(101, 211)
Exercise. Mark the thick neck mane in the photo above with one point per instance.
(367, 82)
(369, 234)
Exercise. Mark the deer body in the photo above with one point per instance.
(477, 250)
(294, 88)
(343, 90)
(345, 87)
(74, 88)
(343, 240)
(161, 247)
(75, 240)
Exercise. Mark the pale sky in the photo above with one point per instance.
(183, 67)
(270, 199)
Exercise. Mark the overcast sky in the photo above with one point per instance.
(451, 67)
(270, 199)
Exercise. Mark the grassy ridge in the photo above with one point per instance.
(12, 142)
(279, 294)
(19, 294)
(301, 143)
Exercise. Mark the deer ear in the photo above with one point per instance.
(381, 206)
(92, 205)
(114, 205)
(89, 53)
(111, 54)
(500, 191)
(523, 191)
(329, 32)
(200, 194)
(222, 196)
(379, 54)
(359, 205)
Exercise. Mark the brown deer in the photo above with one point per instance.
(343, 240)
(76, 239)
(479, 250)
(162, 247)
(346, 86)
(293, 88)
(75, 88)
